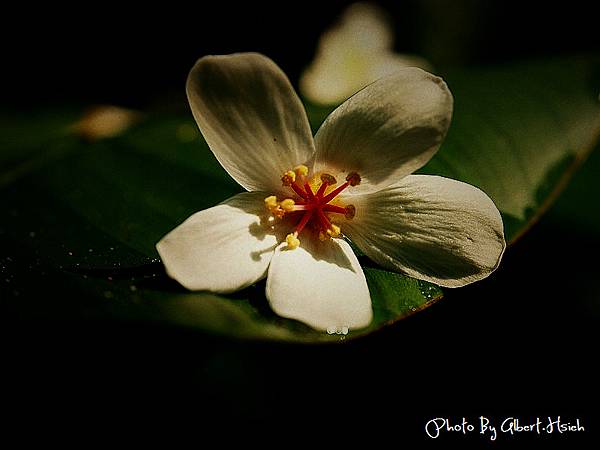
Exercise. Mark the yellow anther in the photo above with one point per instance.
(334, 231)
(287, 205)
(288, 177)
(271, 202)
(274, 207)
(292, 241)
(301, 170)
(323, 236)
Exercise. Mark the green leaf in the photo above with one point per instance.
(572, 208)
(80, 225)
(518, 133)
(29, 141)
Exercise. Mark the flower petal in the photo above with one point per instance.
(251, 118)
(387, 130)
(431, 228)
(320, 284)
(221, 249)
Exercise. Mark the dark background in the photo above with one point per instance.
(524, 342)
(131, 54)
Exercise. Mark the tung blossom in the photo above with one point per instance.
(357, 50)
(305, 195)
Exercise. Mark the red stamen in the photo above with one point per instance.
(321, 190)
(311, 205)
(298, 190)
(325, 223)
(350, 212)
(305, 218)
(334, 209)
(303, 207)
(326, 180)
(309, 192)
(333, 194)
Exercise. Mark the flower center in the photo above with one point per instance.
(312, 203)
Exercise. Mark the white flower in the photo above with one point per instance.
(352, 179)
(355, 51)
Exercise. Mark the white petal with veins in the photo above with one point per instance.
(431, 228)
(320, 284)
(221, 249)
(387, 130)
(251, 118)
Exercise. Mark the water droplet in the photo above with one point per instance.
(111, 248)
(70, 253)
(132, 288)
(109, 278)
(108, 294)
(427, 290)
(344, 330)
(331, 330)
(90, 250)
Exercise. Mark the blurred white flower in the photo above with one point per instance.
(356, 51)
